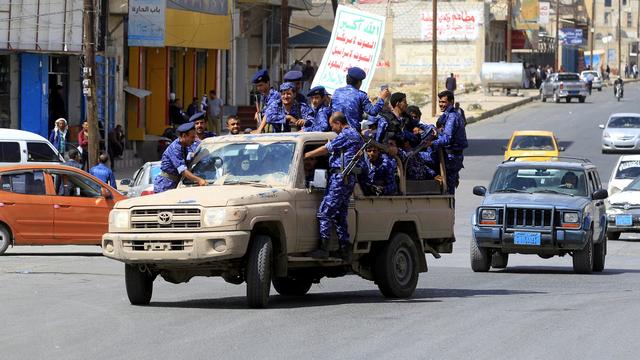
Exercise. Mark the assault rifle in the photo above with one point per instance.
(346, 170)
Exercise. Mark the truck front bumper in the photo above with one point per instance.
(175, 247)
(558, 241)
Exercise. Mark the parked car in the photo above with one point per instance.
(534, 145)
(53, 205)
(563, 86)
(627, 168)
(543, 208)
(142, 183)
(597, 79)
(22, 147)
(623, 211)
(621, 133)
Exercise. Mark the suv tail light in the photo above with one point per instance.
(561, 86)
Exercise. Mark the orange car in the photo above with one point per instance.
(53, 205)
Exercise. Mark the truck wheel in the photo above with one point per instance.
(600, 89)
(583, 259)
(613, 235)
(396, 267)
(542, 98)
(5, 239)
(568, 99)
(581, 99)
(259, 271)
(290, 286)
(556, 98)
(480, 258)
(499, 260)
(599, 254)
(139, 285)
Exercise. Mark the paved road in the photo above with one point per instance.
(69, 303)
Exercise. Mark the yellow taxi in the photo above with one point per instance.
(536, 145)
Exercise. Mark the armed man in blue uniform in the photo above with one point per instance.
(452, 138)
(281, 115)
(320, 112)
(199, 121)
(381, 174)
(352, 102)
(334, 206)
(266, 94)
(174, 161)
(295, 77)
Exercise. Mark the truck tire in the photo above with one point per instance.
(499, 260)
(613, 235)
(480, 258)
(599, 254)
(396, 267)
(583, 259)
(5, 239)
(139, 285)
(568, 99)
(582, 99)
(542, 98)
(259, 271)
(556, 98)
(292, 286)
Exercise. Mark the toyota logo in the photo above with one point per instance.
(165, 218)
(627, 206)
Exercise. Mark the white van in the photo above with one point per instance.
(24, 147)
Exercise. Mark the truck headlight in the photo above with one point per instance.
(488, 214)
(570, 217)
(118, 220)
(220, 216)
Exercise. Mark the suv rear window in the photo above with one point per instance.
(41, 152)
(9, 152)
(568, 77)
(629, 169)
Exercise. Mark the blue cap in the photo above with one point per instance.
(356, 73)
(318, 90)
(287, 86)
(186, 127)
(197, 116)
(260, 76)
(293, 75)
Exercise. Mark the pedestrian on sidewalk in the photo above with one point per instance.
(116, 144)
(60, 135)
(74, 159)
(450, 83)
(83, 145)
(102, 171)
(215, 112)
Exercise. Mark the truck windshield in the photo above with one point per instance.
(539, 180)
(247, 162)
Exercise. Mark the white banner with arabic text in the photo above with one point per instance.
(452, 25)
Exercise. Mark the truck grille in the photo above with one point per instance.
(158, 245)
(526, 218)
(177, 218)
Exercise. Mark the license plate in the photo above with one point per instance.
(526, 238)
(624, 220)
(574, 92)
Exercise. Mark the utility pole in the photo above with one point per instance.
(284, 36)
(557, 36)
(592, 29)
(434, 58)
(509, 19)
(89, 84)
(619, 39)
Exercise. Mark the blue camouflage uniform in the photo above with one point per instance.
(277, 115)
(102, 172)
(334, 205)
(353, 102)
(420, 166)
(382, 174)
(453, 139)
(265, 100)
(192, 149)
(318, 119)
(172, 165)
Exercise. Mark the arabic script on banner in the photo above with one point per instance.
(356, 40)
(452, 25)
(146, 23)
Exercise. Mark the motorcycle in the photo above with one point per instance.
(618, 91)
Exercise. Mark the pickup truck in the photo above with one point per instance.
(563, 86)
(256, 221)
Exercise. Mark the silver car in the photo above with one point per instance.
(621, 133)
(142, 183)
(597, 78)
(563, 85)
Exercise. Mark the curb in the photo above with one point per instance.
(500, 109)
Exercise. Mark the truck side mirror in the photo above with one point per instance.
(319, 179)
(126, 182)
(479, 190)
(601, 126)
(600, 194)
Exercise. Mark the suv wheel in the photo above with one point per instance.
(5, 239)
(139, 285)
(542, 98)
(581, 99)
(599, 254)
(480, 257)
(583, 259)
(396, 267)
(259, 271)
(568, 99)
(613, 235)
(556, 98)
(499, 260)
(292, 286)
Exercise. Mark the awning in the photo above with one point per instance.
(139, 93)
(317, 37)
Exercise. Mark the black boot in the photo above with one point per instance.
(322, 252)
(344, 252)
